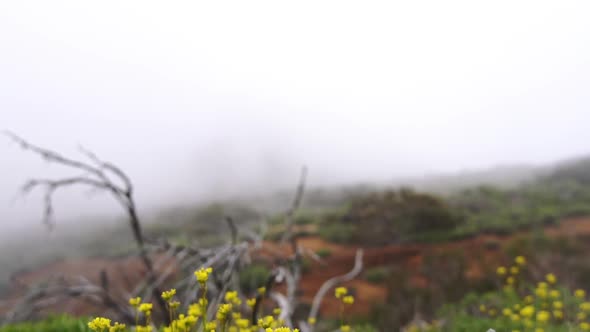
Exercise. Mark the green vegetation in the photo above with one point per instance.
(377, 275)
(324, 253)
(388, 217)
(205, 225)
(521, 304)
(337, 233)
(407, 216)
(253, 276)
(51, 324)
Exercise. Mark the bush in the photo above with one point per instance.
(377, 275)
(324, 252)
(253, 276)
(338, 233)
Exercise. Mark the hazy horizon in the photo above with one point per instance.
(204, 101)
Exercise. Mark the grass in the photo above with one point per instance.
(51, 324)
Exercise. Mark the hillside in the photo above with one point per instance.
(408, 235)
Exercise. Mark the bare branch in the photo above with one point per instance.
(289, 215)
(51, 186)
(96, 179)
(294, 275)
(49, 155)
(283, 303)
(330, 283)
(233, 229)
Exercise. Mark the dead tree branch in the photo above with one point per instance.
(97, 177)
(333, 282)
(294, 273)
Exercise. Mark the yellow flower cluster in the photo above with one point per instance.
(202, 275)
(541, 307)
(227, 317)
(341, 293)
(102, 324)
(134, 302)
(168, 295)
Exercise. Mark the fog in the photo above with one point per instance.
(205, 101)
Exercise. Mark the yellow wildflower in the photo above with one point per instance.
(266, 321)
(243, 323)
(233, 297)
(202, 275)
(146, 308)
(580, 293)
(527, 311)
(117, 327)
(543, 316)
(520, 260)
(223, 311)
(510, 280)
(541, 292)
(195, 310)
(167, 295)
(251, 302)
(340, 292)
(551, 278)
(143, 328)
(174, 304)
(135, 301)
(99, 324)
(211, 326)
(349, 299)
(501, 270)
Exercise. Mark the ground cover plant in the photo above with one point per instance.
(519, 304)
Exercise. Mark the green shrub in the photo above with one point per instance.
(324, 252)
(305, 218)
(339, 233)
(253, 276)
(377, 275)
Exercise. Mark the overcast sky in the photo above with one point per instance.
(216, 98)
